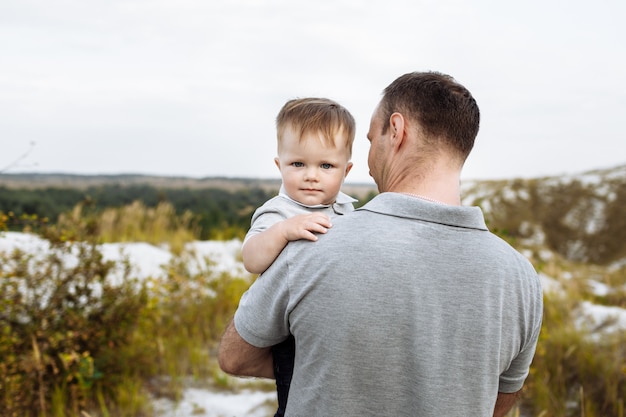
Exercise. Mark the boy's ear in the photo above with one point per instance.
(277, 162)
(348, 168)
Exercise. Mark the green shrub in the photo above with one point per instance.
(80, 334)
(63, 323)
(574, 374)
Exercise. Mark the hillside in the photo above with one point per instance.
(38, 181)
(580, 217)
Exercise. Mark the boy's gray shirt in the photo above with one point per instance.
(283, 207)
(404, 308)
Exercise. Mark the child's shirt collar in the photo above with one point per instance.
(340, 200)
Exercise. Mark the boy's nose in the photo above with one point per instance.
(311, 174)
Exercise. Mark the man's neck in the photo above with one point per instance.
(444, 187)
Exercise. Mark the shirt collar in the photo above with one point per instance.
(401, 205)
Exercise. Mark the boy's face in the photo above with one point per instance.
(312, 172)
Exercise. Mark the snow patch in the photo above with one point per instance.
(145, 260)
(199, 402)
(602, 319)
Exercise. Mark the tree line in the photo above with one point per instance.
(214, 209)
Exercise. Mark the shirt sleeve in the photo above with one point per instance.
(262, 219)
(262, 318)
(512, 380)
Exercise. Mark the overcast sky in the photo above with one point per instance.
(192, 87)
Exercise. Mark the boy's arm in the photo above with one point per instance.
(260, 250)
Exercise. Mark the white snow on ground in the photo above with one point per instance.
(146, 260)
(598, 288)
(608, 319)
(224, 255)
(198, 402)
(23, 241)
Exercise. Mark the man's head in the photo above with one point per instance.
(445, 111)
(439, 117)
(315, 137)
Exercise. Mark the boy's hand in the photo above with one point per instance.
(305, 226)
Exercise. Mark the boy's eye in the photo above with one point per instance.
(297, 164)
(326, 166)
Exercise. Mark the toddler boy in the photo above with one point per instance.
(315, 137)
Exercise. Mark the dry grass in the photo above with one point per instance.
(133, 223)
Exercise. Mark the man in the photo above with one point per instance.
(409, 306)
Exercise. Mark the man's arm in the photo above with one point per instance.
(240, 358)
(504, 403)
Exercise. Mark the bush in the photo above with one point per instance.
(574, 374)
(80, 334)
(62, 324)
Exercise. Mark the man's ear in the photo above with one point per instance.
(277, 162)
(397, 126)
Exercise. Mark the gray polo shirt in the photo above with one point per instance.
(404, 308)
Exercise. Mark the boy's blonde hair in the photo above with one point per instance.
(312, 115)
